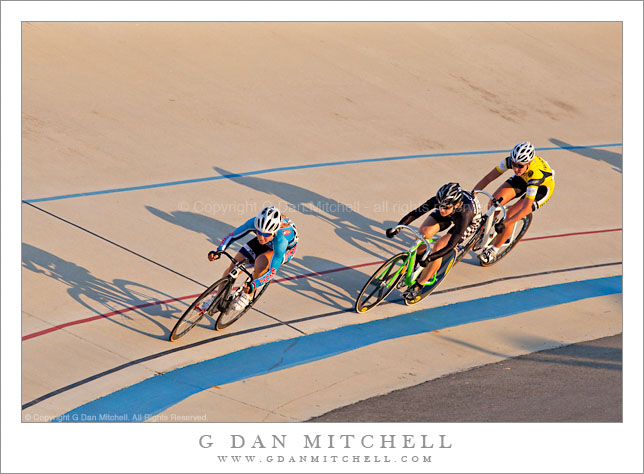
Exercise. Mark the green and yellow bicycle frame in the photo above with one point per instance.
(399, 272)
(408, 267)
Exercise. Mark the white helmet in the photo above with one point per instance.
(268, 220)
(522, 153)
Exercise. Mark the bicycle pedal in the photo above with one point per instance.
(413, 300)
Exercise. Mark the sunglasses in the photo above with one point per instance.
(518, 165)
(258, 233)
(446, 207)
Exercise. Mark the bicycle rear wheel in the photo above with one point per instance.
(520, 228)
(446, 265)
(381, 283)
(228, 316)
(196, 311)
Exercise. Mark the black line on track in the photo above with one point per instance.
(115, 244)
(147, 259)
(270, 326)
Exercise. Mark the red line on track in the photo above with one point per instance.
(295, 277)
(574, 233)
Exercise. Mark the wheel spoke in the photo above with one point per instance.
(382, 282)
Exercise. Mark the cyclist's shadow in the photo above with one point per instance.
(351, 226)
(101, 297)
(213, 229)
(598, 154)
(338, 289)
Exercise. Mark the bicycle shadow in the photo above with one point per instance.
(471, 259)
(610, 157)
(352, 227)
(337, 289)
(212, 228)
(100, 296)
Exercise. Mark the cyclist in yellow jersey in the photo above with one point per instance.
(533, 182)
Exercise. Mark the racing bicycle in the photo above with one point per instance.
(402, 270)
(217, 301)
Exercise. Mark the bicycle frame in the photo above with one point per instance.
(408, 266)
(487, 236)
(237, 269)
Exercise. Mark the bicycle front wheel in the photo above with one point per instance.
(206, 303)
(229, 315)
(520, 228)
(381, 283)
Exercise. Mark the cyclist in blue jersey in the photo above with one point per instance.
(275, 243)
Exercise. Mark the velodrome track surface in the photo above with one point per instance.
(145, 144)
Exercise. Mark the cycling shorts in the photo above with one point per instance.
(253, 249)
(544, 193)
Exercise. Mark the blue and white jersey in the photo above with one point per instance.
(283, 245)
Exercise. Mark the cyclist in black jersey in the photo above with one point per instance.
(451, 207)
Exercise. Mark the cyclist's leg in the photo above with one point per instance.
(433, 267)
(263, 261)
(431, 225)
(238, 258)
(544, 193)
(509, 190)
(522, 208)
(261, 265)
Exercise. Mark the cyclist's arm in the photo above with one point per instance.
(487, 179)
(279, 249)
(422, 209)
(238, 233)
(521, 211)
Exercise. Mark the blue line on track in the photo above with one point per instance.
(154, 395)
(297, 167)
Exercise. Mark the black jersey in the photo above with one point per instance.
(460, 220)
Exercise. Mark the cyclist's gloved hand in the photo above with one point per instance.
(499, 227)
(214, 255)
(391, 232)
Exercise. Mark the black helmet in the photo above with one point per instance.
(449, 193)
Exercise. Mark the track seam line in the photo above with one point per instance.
(115, 244)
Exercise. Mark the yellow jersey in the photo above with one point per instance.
(539, 173)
